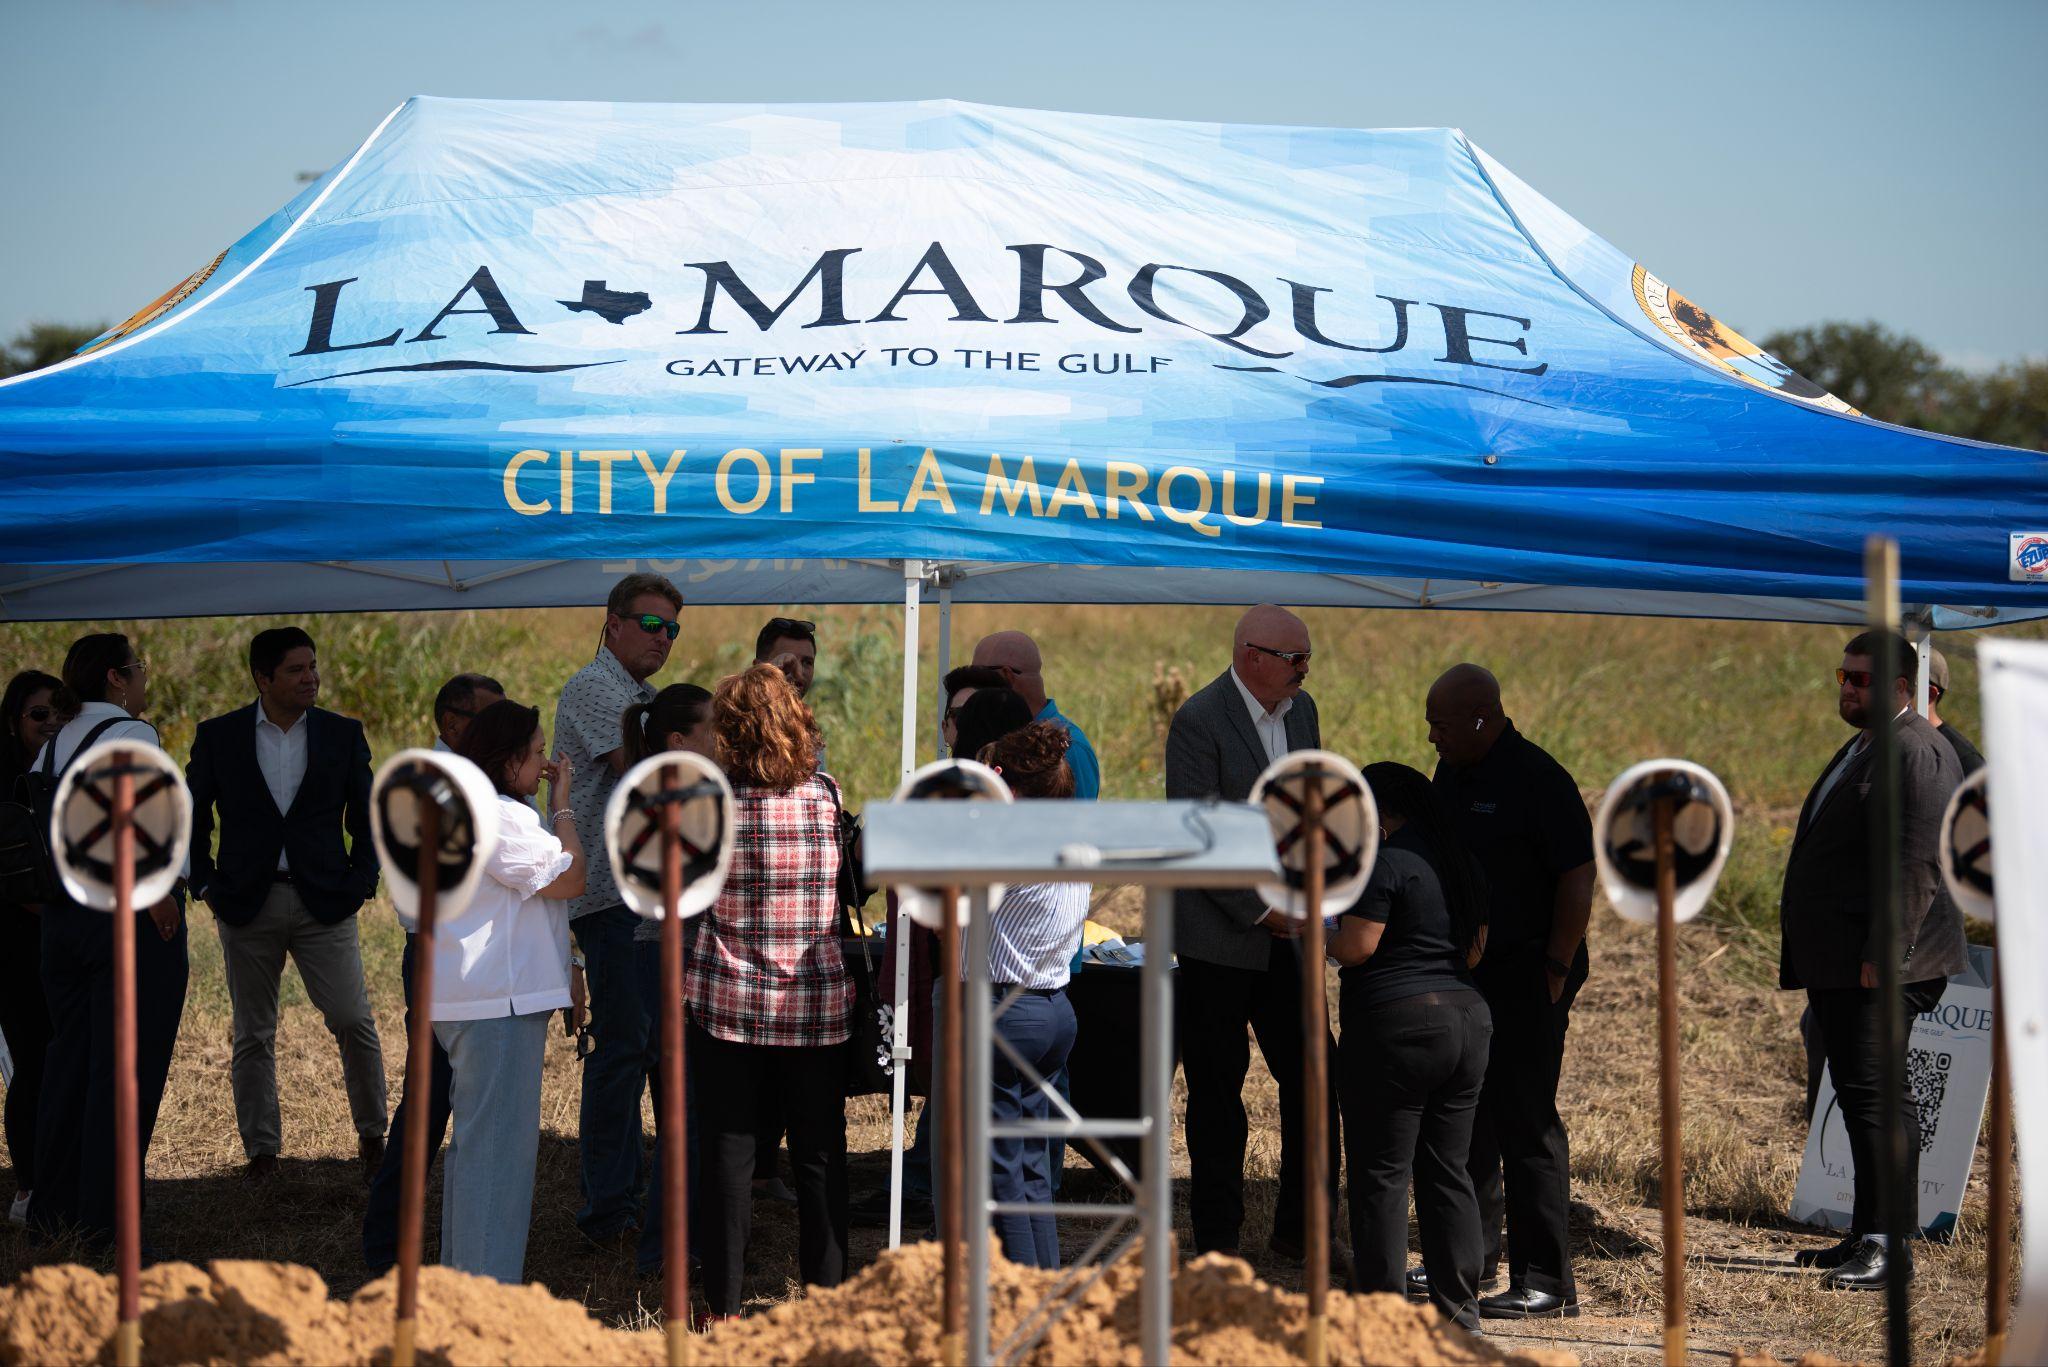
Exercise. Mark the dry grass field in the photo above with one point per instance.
(1753, 702)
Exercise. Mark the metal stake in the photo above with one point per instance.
(419, 1073)
(1315, 1024)
(951, 1189)
(1673, 1158)
(1155, 1201)
(127, 1141)
(975, 1103)
(1998, 1258)
(675, 1226)
(1896, 1206)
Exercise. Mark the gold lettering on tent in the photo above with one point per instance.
(1124, 482)
(791, 476)
(512, 498)
(723, 482)
(1291, 501)
(1072, 492)
(1012, 493)
(1230, 499)
(868, 502)
(568, 482)
(603, 461)
(928, 485)
(1188, 517)
(659, 482)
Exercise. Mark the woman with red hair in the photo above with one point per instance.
(771, 1003)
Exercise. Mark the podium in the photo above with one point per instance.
(1160, 846)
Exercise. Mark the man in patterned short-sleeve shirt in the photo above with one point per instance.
(639, 628)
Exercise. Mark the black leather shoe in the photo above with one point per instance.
(1521, 1303)
(1418, 1283)
(1868, 1269)
(1834, 1255)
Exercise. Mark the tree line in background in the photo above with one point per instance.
(1882, 373)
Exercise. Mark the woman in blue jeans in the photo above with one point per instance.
(501, 969)
(1034, 934)
(1412, 1055)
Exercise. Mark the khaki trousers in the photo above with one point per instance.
(331, 966)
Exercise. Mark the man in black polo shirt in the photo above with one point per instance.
(1522, 815)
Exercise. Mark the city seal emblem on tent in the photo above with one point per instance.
(1713, 341)
(157, 307)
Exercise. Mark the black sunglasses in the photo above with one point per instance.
(1293, 657)
(651, 622)
(790, 626)
(1860, 677)
(41, 713)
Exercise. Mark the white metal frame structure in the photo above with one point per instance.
(974, 845)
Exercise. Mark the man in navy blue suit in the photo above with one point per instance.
(288, 781)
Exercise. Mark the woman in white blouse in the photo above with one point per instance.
(501, 968)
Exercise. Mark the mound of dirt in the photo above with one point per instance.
(1222, 1314)
(273, 1314)
(276, 1313)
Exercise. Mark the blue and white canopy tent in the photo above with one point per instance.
(832, 353)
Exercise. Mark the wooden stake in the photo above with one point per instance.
(1998, 1257)
(127, 1140)
(952, 1190)
(1315, 1022)
(419, 1078)
(1896, 1206)
(675, 1229)
(1673, 1158)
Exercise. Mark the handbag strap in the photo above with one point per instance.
(846, 922)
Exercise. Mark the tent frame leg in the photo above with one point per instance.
(899, 933)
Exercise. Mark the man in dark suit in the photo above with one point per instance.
(1830, 937)
(288, 779)
(1240, 960)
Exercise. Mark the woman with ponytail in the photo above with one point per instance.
(1412, 1055)
(1034, 934)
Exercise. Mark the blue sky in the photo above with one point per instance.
(1782, 164)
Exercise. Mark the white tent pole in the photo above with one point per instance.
(899, 934)
(945, 663)
(1923, 649)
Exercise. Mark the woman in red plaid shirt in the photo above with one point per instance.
(770, 1000)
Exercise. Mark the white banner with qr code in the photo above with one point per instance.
(1948, 1070)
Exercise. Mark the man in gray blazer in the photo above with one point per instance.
(1830, 938)
(1240, 961)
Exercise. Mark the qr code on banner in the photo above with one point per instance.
(1927, 1080)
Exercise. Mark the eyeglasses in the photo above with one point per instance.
(1296, 658)
(779, 627)
(652, 622)
(1860, 677)
(42, 713)
(140, 664)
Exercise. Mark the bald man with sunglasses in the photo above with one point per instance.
(1240, 961)
(640, 626)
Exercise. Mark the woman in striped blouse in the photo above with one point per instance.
(1035, 933)
(770, 1000)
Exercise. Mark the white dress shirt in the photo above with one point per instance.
(507, 952)
(1271, 726)
(281, 755)
(79, 727)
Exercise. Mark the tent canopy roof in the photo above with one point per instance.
(506, 346)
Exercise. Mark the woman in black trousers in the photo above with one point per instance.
(1412, 1055)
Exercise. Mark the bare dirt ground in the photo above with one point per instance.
(1744, 1131)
